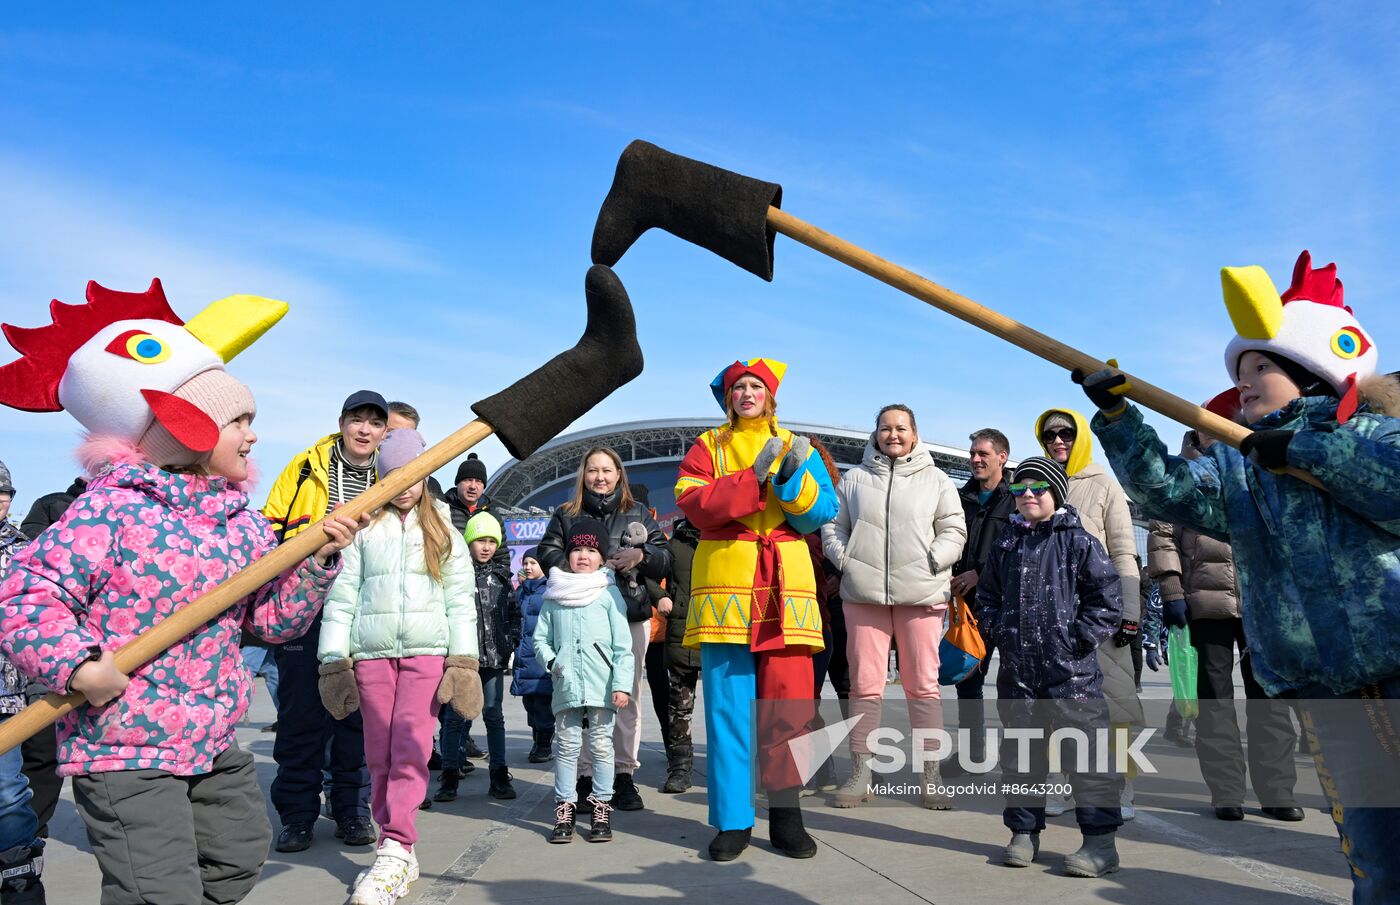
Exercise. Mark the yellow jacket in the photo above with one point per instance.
(720, 494)
(301, 492)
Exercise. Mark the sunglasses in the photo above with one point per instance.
(1035, 487)
(1067, 434)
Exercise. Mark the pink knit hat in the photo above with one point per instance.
(215, 394)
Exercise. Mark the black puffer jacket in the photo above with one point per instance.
(685, 538)
(985, 523)
(49, 508)
(497, 615)
(461, 515)
(1048, 598)
(656, 552)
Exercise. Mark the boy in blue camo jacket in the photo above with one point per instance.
(1319, 570)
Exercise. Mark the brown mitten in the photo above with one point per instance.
(461, 687)
(339, 693)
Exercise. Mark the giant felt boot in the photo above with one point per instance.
(785, 828)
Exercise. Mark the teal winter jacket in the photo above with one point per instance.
(1319, 573)
(386, 604)
(587, 650)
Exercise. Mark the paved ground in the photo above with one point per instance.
(480, 850)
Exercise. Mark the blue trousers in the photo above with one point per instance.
(730, 676)
(454, 729)
(568, 742)
(539, 711)
(262, 661)
(18, 825)
(304, 729)
(1354, 755)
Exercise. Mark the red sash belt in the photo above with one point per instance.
(766, 605)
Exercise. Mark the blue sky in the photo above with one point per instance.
(420, 185)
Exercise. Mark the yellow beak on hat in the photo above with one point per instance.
(232, 324)
(1254, 304)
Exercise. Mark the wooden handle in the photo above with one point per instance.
(1033, 341)
(156, 640)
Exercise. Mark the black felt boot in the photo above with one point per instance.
(447, 785)
(785, 828)
(730, 844)
(719, 210)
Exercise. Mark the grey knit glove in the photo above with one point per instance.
(763, 463)
(796, 457)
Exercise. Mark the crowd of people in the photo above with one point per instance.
(783, 574)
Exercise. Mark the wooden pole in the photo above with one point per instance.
(1033, 341)
(155, 641)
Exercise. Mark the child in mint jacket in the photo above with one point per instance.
(1319, 570)
(583, 640)
(398, 638)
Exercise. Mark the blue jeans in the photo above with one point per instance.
(18, 825)
(454, 729)
(261, 662)
(1353, 759)
(568, 741)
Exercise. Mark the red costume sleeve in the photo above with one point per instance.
(710, 502)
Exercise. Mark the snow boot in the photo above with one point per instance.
(540, 753)
(857, 787)
(1096, 857)
(500, 784)
(1023, 848)
(447, 785)
(934, 796)
(21, 868)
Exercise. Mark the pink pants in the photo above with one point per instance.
(917, 630)
(398, 699)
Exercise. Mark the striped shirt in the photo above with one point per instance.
(347, 481)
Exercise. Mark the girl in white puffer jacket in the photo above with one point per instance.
(402, 616)
(898, 534)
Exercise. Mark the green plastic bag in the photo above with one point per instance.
(1182, 664)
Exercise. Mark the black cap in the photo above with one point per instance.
(471, 467)
(361, 399)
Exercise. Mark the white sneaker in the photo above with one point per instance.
(387, 880)
(1125, 800)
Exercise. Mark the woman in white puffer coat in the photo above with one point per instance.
(899, 532)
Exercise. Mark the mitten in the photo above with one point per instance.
(1127, 631)
(1267, 449)
(1174, 614)
(1151, 658)
(763, 463)
(461, 687)
(339, 693)
(796, 456)
(1105, 388)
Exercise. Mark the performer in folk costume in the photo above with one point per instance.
(754, 489)
(172, 806)
(1317, 570)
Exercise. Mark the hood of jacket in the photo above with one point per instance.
(1083, 450)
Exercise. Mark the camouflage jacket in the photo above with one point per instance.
(1319, 573)
(11, 682)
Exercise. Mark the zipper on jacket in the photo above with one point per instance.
(889, 495)
(606, 659)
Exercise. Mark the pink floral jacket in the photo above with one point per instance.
(138, 545)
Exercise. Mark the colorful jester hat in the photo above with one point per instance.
(1308, 325)
(127, 368)
(767, 370)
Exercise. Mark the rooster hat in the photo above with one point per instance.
(127, 368)
(1309, 325)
